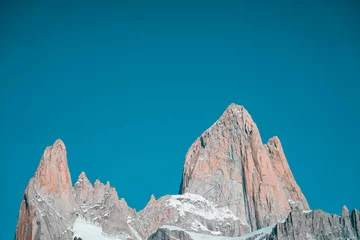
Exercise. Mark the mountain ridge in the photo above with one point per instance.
(232, 184)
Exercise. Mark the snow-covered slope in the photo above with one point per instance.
(256, 235)
(88, 231)
(198, 205)
(299, 225)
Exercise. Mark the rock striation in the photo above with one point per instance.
(230, 166)
(48, 199)
(316, 224)
(232, 185)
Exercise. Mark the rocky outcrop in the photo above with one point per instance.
(299, 225)
(165, 233)
(48, 202)
(230, 166)
(191, 212)
(355, 222)
(315, 224)
(100, 205)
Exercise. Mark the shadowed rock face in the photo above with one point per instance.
(229, 165)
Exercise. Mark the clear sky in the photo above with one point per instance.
(129, 86)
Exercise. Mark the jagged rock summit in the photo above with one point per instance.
(232, 185)
(51, 186)
(229, 165)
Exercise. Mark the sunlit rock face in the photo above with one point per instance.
(46, 211)
(230, 166)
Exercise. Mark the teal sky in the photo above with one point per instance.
(129, 86)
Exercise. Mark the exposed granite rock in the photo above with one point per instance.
(170, 234)
(101, 206)
(355, 221)
(230, 166)
(299, 225)
(315, 225)
(48, 201)
(176, 233)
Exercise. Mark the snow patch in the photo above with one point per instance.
(198, 205)
(291, 202)
(89, 231)
(307, 211)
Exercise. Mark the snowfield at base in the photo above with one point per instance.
(259, 234)
(88, 231)
(198, 205)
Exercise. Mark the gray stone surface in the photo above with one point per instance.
(299, 225)
(230, 166)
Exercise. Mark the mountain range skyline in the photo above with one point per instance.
(128, 86)
(232, 185)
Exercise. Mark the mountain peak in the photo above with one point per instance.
(238, 117)
(50, 188)
(234, 110)
(151, 201)
(83, 180)
(82, 175)
(53, 171)
(59, 143)
(345, 211)
(233, 106)
(229, 165)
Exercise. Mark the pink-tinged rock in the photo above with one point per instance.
(229, 165)
(53, 171)
(48, 199)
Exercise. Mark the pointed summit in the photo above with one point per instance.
(59, 143)
(234, 111)
(52, 180)
(229, 165)
(53, 171)
(82, 175)
(83, 181)
(345, 211)
(152, 199)
(234, 106)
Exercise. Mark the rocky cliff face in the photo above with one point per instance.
(48, 202)
(232, 185)
(316, 225)
(299, 225)
(230, 166)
